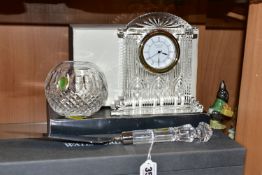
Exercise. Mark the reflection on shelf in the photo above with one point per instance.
(23, 130)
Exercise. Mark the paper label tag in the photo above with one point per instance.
(148, 168)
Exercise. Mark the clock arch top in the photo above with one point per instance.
(158, 20)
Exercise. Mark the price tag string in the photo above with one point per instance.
(149, 167)
(151, 146)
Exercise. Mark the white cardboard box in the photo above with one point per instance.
(99, 44)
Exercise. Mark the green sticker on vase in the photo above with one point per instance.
(63, 83)
(76, 117)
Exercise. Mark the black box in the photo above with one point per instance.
(103, 123)
(219, 156)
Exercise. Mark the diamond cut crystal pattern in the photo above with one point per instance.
(83, 93)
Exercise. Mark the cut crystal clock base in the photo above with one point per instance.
(156, 110)
(140, 108)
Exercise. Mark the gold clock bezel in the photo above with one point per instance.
(141, 48)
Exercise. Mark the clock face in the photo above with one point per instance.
(159, 51)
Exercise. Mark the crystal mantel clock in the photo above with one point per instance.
(158, 54)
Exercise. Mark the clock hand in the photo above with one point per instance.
(154, 54)
(158, 60)
(164, 53)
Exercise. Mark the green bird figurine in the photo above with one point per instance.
(220, 108)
